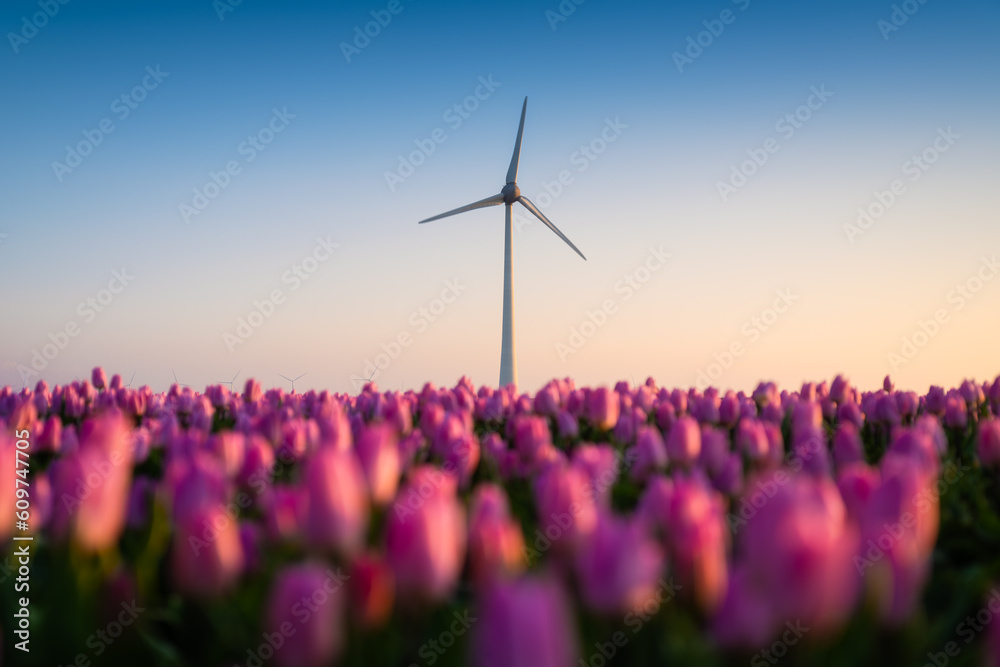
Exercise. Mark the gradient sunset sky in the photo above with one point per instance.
(689, 92)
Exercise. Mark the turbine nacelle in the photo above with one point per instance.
(510, 193)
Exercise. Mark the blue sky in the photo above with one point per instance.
(863, 298)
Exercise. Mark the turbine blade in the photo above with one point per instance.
(495, 200)
(538, 214)
(512, 170)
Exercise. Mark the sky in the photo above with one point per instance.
(763, 191)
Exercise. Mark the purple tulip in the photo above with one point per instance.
(729, 479)
(305, 611)
(649, 453)
(840, 390)
(956, 414)
(99, 378)
(618, 566)
(338, 510)
(569, 427)
(526, 622)
(602, 465)
(714, 449)
(729, 410)
(847, 446)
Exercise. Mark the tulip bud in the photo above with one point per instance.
(312, 639)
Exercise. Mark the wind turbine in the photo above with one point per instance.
(177, 382)
(364, 381)
(231, 382)
(509, 195)
(292, 380)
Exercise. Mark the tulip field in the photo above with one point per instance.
(636, 525)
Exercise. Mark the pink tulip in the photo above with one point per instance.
(696, 537)
(99, 378)
(378, 452)
(751, 439)
(496, 543)
(286, 512)
(795, 562)
(526, 622)
(988, 447)
(567, 510)
(426, 537)
(91, 486)
(207, 554)
(338, 507)
(899, 530)
(603, 408)
(684, 441)
(306, 611)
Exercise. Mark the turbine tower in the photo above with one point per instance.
(509, 195)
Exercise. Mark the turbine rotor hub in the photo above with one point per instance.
(511, 193)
